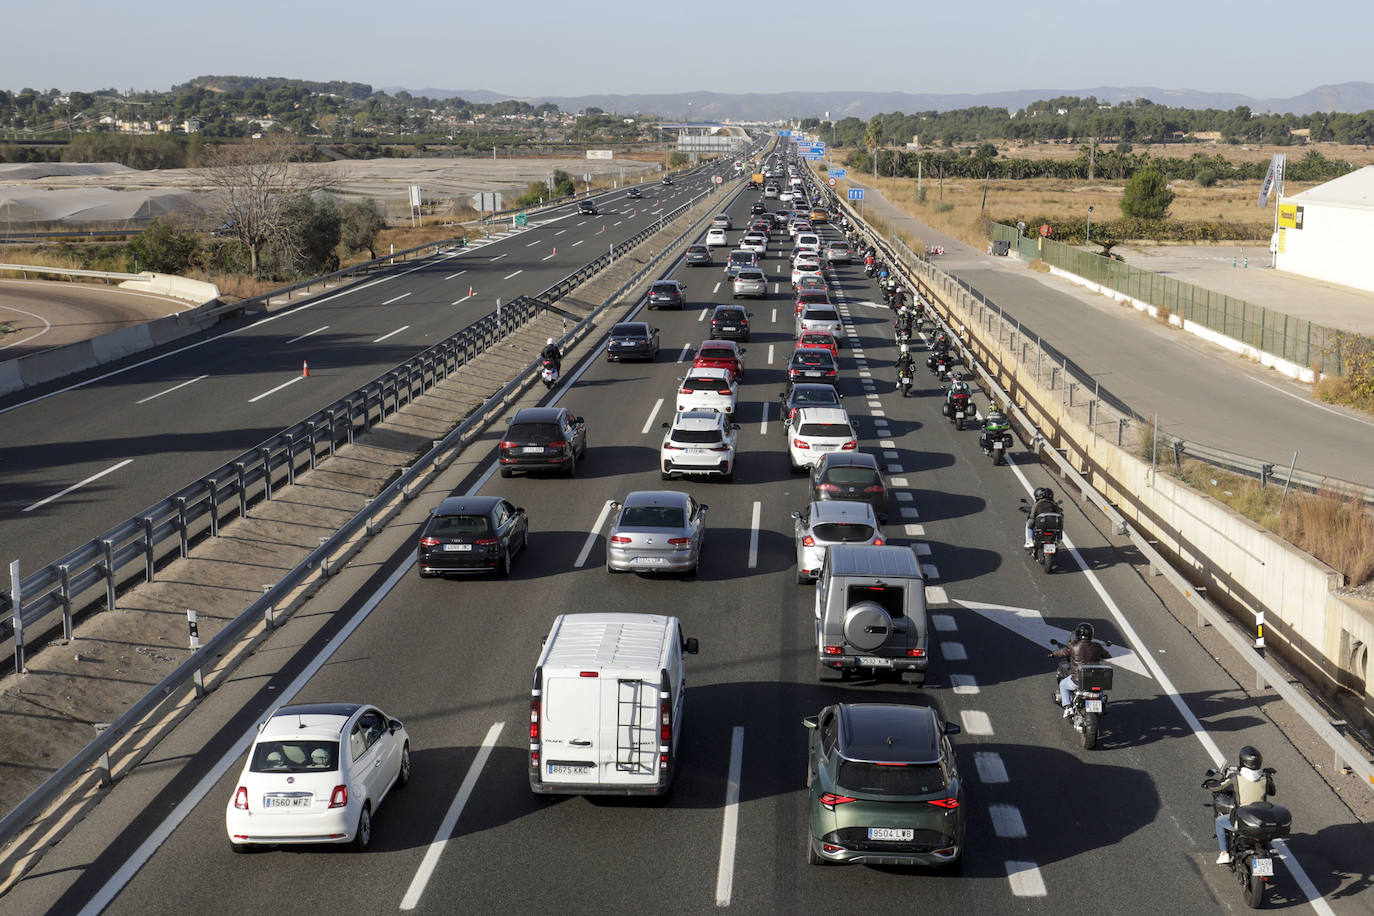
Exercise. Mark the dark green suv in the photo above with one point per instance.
(884, 787)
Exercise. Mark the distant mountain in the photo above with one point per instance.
(1347, 97)
(482, 96)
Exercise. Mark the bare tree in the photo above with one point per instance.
(254, 181)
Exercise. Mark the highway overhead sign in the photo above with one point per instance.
(856, 193)
(839, 173)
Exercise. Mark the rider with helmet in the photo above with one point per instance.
(551, 352)
(1044, 502)
(1248, 783)
(1081, 650)
(957, 388)
(905, 361)
(995, 426)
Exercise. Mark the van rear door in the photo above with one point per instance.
(571, 730)
(628, 751)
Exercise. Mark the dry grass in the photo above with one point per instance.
(1342, 390)
(1244, 152)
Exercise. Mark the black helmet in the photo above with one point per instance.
(1250, 757)
(1043, 493)
(1084, 632)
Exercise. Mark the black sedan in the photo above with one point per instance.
(632, 340)
(807, 394)
(587, 208)
(850, 476)
(633, 194)
(469, 534)
(758, 208)
(667, 294)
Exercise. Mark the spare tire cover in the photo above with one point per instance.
(866, 626)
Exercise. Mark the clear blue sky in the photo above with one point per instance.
(541, 47)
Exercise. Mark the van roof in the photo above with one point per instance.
(863, 560)
(608, 640)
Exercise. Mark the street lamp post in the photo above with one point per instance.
(1089, 235)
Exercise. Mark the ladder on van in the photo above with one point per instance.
(635, 723)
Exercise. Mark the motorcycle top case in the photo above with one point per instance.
(1263, 820)
(1094, 677)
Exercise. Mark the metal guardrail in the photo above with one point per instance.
(1345, 753)
(27, 269)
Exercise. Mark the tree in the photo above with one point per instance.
(310, 232)
(1147, 195)
(162, 248)
(359, 225)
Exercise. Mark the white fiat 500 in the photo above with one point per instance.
(317, 773)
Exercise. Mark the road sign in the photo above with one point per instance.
(830, 181)
(856, 193)
(717, 179)
(784, 133)
(521, 220)
(839, 173)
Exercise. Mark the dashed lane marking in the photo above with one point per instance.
(991, 770)
(1025, 879)
(964, 684)
(1007, 822)
(976, 722)
(945, 623)
(954, 651)
(935, 594)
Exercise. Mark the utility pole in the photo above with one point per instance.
(1092, 158)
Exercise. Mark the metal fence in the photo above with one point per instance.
(1295, 339)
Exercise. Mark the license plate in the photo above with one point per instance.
(999, 444)
(649, 561)
(958, 414)
(568, 769)
(1092, 705)
(697, 452)
(730, 328)
(814, 374)
(1262, 868)
(532, 450)
(455, 547)
(1050, 548)
(891, 833)
(294, 801)
(875, 661)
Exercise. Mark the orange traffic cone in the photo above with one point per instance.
(305, 369)
(555, 252)
(470, 292)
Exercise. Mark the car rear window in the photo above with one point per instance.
(820, 340)
(752, 275)
(892, 598)
(651, 517)
(812, 358)
(629, 330)
(814, 297)
(816, 397)
(295, 756)
(826, 430)
(890, 779)
(741, 257)
(731, 314)
(851, 475)
(458, 525)
(702, 384)
(534, 432)
(664, 288)
(843, 532)
(821, 314)
(697, 436)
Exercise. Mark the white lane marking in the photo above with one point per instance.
(894, 468)
(462, 300)
(591, 537)
(888, 443)
(1025, 879)
(916, 531)
(47, 326)
(616, 223)
(1311, 403)
(395, 299)
(729, 830)
(880, 413)
(976, 722)
(500, 256)
(763, 426)
(583, 223)
(145, 851)
(391, 333)
(701, 315)
(560, 232)
(97, 476)
(935, 594)
(776, 287)
(945, 623)
(173, 388)
(549, 257)
(532, 244)
(904, 496)
(922, 550)
(898, 482)
(516, 274)
(455, 811)
(775, 311)
(652, 413)
(1007, 822)
(964, 684)
(929, 571)
(770, 354)
(458, 274)
(686, 350)
(1299, 873)
(275, 390)
(954, 651)
(991, 770)
(305, 335)
(578, 242)
(754, 535)
(717, 288)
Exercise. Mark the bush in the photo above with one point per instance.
(162, 248)
(1147, 195)
(1205, 178)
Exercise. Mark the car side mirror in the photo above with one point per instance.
(796, 514)
(690, 646)
(664, 425)
(734, 427)
(519, 510)
(811, 721)
(394, 726)
(952, 729)
(703, 507)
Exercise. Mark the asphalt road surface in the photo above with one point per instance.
(42, 315)
(1052, 828)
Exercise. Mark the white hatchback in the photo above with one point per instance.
(707, 389)
(698, 442)
(317, 773)
(756, 242)
(806, 267)
(715, 236)
(816, 431)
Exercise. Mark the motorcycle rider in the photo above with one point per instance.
(1249, 784)
(1081, 650)
(1044, 502)
(551, 352)
(905, 362)
(995, 426)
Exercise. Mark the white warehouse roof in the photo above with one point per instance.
(1355, 190)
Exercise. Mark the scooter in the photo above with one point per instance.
(1089, 702)
(1252, 829)
(548, 373)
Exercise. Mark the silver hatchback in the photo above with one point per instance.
(750, 281)
(657, 531)
(823, 524)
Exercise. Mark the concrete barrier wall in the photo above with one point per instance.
(196, 291)
(1244, 567)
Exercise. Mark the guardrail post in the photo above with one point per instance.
(242, 488)
(193, 622)
(183, 529)
(102, 766)
(1070, 389)
(147, 525)
(290, 460)
(108, 568)
(324, 561)
(64, 578)
(313, 438)
(265, 454)
(17, 597)
(1121, 431)
(268, 612)
(214, 505)
(367, 421)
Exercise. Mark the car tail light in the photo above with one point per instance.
(720, 448)
(668, 446)
(684, 391)
(588, 674)
(873, 489)
(339, 797)
(916, 653)
(506, 443)
(830, 372)
(850, 445)
(486, 542)
(665, 722)
(830, 847)
(429, 542)
(619, 539)
(830, 800)
(534, 720)
(808, 541)
(828, 488)
(834, 650)
(800, 443)
(952, 802)
(558, 443)
(679, 542)
(724, 391)
(877, 542)
(241, 798)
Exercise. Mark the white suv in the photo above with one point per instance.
(707, 389)
(816, 431)
(698, 442)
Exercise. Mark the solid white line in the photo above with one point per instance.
(455, 811)
(516, 274)
(754, 535)
(652, 413)
(458, 274)
(47, 326)
(725, 871)
(77, 486)
(308, 333)
(275, 390)
(591, 538)
(173, 388)
(686, 349)
(145, 851)
(391, 334)
(1025, 879)
(396, 299)
(763, 426)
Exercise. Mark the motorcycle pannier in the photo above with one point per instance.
(1263, 820)
(1094, 677)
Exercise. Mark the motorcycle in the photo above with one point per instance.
(1089, 701)
(995, 445)
(902, 330)
(956, 408)
(904, 381)
(548, 372)
(1047, 531)
(938, 362)
(1252, 829)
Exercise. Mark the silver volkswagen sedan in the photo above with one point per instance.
(656, 531)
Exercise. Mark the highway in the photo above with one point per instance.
(86, 453)
(1052, 828)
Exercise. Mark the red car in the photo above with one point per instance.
(807, 297)
(821, 339)
(720, 354)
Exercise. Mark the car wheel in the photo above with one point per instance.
(572, 465)
(403, 776)
(728, 476)
(507, 472)
(503, 568)
(363, 837)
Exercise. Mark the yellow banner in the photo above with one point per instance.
(1290, 216)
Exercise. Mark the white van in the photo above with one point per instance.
(606, 705)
